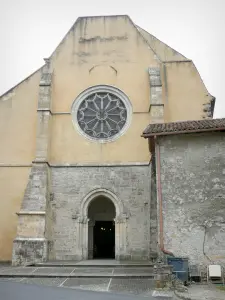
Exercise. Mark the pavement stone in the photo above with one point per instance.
(5, 265)
(106, 280)
(202, 292)
(136, 287)
(93, 270)
(23, 270)
(11, 279)
(20, 291)
(163, 295)
(93, 284)
(43, 281)
(131, 286)
(130, 271)
(53, 270)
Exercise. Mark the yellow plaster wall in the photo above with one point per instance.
(18, 113)
(13, 181)
(92, 44)
(74, 148)
(186, 92)
(99, 51)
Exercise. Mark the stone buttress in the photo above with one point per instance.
(32, 240)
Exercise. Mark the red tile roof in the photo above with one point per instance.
(184, 127)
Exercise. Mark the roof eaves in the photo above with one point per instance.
(164, 133)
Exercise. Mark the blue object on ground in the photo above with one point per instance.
(180, 267)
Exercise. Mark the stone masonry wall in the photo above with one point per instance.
(193, 191)
(131, 184)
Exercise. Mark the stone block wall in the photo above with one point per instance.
(29, 250)
(70, 185)
(193, 192)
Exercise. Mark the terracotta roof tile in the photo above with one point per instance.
(184, 127)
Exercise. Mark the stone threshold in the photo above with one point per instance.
(114, 266)
(96, 263)
(77, 275)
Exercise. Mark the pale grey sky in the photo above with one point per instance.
(30, 30)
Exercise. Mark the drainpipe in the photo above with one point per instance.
(159, 192)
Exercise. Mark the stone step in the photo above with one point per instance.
(77, 275)
(96, 264)
(91, 266)
(78, 272)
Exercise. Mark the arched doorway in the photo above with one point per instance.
(101, 228)
(85, 226)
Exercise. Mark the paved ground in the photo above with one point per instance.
(137, 287)
(108, 276)
(203, 292)
(17, 291)
(141, 287)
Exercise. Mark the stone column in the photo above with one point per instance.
(85, 238)
(81, 232)
(91, 239)
(31, 242)
(121, 238)
(156, 105)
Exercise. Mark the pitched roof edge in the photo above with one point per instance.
(15, 86)
(147, 135)
(184, 127)
(136, 27)
(185, 58)
(64, 37)
(212, 98)
(12, 88)
(76, 22)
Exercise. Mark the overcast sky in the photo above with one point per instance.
(31, 29)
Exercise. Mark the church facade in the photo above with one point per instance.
(75, 173)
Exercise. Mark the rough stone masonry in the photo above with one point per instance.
(193, 191)
(131, 184)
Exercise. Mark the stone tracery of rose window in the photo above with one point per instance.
(102, 115)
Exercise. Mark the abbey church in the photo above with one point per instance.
(110, 150)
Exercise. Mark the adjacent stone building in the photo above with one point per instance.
(75, 173)
(188, 182)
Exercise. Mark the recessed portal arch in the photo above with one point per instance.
(116, 208)
(103, 193)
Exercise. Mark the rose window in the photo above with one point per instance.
(102, 115)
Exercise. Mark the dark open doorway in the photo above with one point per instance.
(104, 239)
